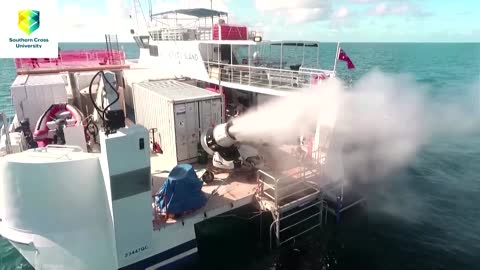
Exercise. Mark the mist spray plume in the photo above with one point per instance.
(382, 121)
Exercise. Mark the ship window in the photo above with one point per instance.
(153, 50)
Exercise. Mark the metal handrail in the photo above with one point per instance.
(265, 76)
(311, 71)
(297, 235)
(73, 58)
(290, 194)
(296, 212)
(277, 188)
(299, 222)
(277, 220)
(176, 33)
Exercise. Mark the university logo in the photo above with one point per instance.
(28, 20)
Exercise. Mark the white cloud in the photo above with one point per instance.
(380, 9)
(296, 12)
(289, 4)
(403, 8)
(363, 1)
(303, 15)
(341, 13)
(87, 24)
(343, 19)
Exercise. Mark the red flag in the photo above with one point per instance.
(344, 57)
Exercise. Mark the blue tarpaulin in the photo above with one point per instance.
(181, 192)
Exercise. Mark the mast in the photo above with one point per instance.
(211, 8)
(336, 57)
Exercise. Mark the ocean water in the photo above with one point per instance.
(427, 215)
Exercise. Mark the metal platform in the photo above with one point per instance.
(294, 200)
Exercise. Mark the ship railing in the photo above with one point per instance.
(286, 186)
(321, 215)
(72, 58)
(181, 33)
(204, 33)
(266, 77)
(173, 34)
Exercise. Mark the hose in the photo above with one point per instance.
(101, 112)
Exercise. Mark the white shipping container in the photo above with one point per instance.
(32, 95)
(180, 112)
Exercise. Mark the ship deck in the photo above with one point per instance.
(225, 193)
(229, 190)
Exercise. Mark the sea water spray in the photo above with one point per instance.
(383, 120)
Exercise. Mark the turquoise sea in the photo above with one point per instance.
(435, 199)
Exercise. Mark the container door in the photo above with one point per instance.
(210, 113)
(181, 131)
(186, 128)
(192, 129)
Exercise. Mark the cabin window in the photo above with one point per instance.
(240, 54)
(153, 50)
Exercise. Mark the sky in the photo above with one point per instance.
(322, 20)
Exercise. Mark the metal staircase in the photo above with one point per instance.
(296, 203)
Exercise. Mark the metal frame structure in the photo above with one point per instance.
(294, 199)
(255, 70)
(289, 198)
(191, 25)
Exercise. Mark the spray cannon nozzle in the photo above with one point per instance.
(228, 130)
(220, 135)
(219, 139)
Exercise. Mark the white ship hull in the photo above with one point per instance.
(86, 220)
